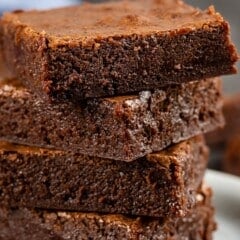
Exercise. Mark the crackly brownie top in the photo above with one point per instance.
(118, 18)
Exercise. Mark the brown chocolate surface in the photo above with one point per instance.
(24, 224)
(159, 184)
(114, 18)
(96, 50)
(121, 128)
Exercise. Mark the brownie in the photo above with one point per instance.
(116, 48)
(231, 159)
(24, 224)
(231, 111)
(159, 184)
(120, 128)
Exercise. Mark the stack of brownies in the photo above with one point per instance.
(101, 124)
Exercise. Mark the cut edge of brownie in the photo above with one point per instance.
(45, 225)
(211, 54)
(160, 184)
(121, 128)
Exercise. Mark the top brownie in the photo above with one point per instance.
(96, 50)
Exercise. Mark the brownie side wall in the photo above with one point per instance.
(180, 114)
(24, 224)
(128, 64)
(117, 65)
(197, 153)
(121, 129)
(201, 218)
(199, 224)
(158, 185)
(25, 55)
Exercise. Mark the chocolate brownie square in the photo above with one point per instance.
(159, 184)
(121, 128)
(115, 48)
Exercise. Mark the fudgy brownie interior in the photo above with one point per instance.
(120, 128)
(45, 225)
(116, 48)
(159, 184)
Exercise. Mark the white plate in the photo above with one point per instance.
(227, 202)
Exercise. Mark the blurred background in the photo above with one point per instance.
(229, 9)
